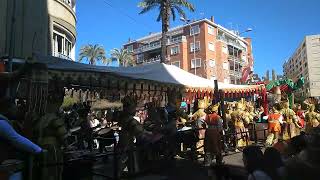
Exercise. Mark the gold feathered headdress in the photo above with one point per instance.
(214, 107)
(201, 104)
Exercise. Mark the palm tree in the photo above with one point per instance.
(166, 8)
(93, 53)
(123, 56)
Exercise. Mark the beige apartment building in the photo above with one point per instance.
(46, 27)
(305, 62)
(201, 47)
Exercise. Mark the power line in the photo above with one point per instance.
(127, 15)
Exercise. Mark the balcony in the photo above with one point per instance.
(70, 3)
(235, 73)
(236, 59)
(153, 59)
(62, 56)
(148, 47)
(178, 39)
(157, 45)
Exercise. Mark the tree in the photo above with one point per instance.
(93, 53)
(166, 8)
(123, 56)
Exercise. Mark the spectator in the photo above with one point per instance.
(275, 165)
(254, 163)
(8, 136)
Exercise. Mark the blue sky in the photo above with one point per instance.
(278, 25)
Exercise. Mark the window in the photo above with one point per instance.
(211, 46)
(140, 58)
(175, 50)
(225, 66)
(176, 63)
(62, 45)
(195, 63)
(225, 49)
(130, 48)
(195, 47)
(194, 30)
(305, 64)
(210, 30)
(212, 63)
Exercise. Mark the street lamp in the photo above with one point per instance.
(233, 54)
(187, 21)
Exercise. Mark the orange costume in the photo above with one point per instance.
(274, 122)
(212, 142)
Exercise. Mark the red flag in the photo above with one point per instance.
(246, 71)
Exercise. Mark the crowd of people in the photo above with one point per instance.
(159, 129)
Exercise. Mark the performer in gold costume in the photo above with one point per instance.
(199, 119)
(290, 123)
(275, 120)
(312, 118)
(238, 118)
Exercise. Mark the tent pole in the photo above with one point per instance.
(225, 123)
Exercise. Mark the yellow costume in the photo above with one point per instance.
(237, 117)
(199, 118)
(290, 122)
(312, 118)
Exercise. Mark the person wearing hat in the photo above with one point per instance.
(9, 136)
(212, 141)
(312, 118)
(51, 134)
(130, 129)
(290, 123)
(275, 119)
(237, 117)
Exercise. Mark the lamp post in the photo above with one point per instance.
(235, 57)
(187, 21)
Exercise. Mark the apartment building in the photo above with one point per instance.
(46, 27)
(201, 47)
(305, 62)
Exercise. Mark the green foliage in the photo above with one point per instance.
(93, 53)
(292, 85)
(123, 56)
(173, 5)
(68, 102)
(167, 8)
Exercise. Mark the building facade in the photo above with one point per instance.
(305, 62)
(201, 47)
(46, 27)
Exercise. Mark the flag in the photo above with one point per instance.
(246, 72)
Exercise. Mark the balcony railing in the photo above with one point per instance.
(152, 60)
(157, 45)
(235, 73)
(178, 39)
(70, 3)
(236, 59)
(62, 56)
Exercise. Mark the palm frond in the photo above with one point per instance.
(93, 53)
(180, 11)
(173, 13)
(184, 3)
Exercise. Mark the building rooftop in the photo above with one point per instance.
(171, 30)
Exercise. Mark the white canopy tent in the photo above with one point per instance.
(157, 72)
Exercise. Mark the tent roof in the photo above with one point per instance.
(158, 72)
